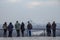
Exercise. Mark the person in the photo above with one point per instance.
(54, 28)
(29, 27)
(22, 29)
(17, 27)
(5, 29)
(48, 29)
(10, 29)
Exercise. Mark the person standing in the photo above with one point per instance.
(22, 29)
(17, 27)
(10, 29)
(29, 27)
(54, 28)
(48, 29)
(5, 29)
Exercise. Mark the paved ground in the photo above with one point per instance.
(30, 38)
(35, 33)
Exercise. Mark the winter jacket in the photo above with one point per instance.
(10, 27)
(22, 27)
(29, 26)
(17, 26)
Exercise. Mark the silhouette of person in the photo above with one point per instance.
(22, 29)
(17, 27)
(48, 29)
(5, 29)
(10, 29)
(54, 28)
(29, 27)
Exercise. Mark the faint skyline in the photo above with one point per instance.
(39, 11)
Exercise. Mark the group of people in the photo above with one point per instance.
(49, 27)
(19, 27)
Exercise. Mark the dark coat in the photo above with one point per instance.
(10, 27)
(48, 28)
(54, 26)
(22, 27)
(29, 26)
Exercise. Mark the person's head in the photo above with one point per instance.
(10, 23)
(53, 21)
(16, 21)
(48, 22)
(22, 22)
(5, 23)
(28, 22)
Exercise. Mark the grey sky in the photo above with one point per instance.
(39, 11)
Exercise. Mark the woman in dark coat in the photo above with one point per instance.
(22, 29)
(48, 29)
(10, 29)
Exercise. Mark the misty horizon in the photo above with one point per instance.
(39, 11)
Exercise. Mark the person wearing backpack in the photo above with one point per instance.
(29, 27)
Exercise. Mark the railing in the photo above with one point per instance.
(35, 32)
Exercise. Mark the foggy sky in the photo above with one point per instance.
(39, 11)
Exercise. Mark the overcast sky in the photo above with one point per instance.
(39, 11)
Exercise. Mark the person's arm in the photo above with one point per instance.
(24, 26)
(31, 26)
(27, 26)
(50, 26)
(55, 24)
(19, 26)
(3, 26)
(8, 27)
(12, 26)
(46, 27)
(15, 26)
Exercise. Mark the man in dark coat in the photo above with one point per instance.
(48, 29)
(54, 28)
(22, 29)
(10, 29)
(17, 27)
(29, 27)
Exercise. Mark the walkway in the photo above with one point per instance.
(30, 38)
